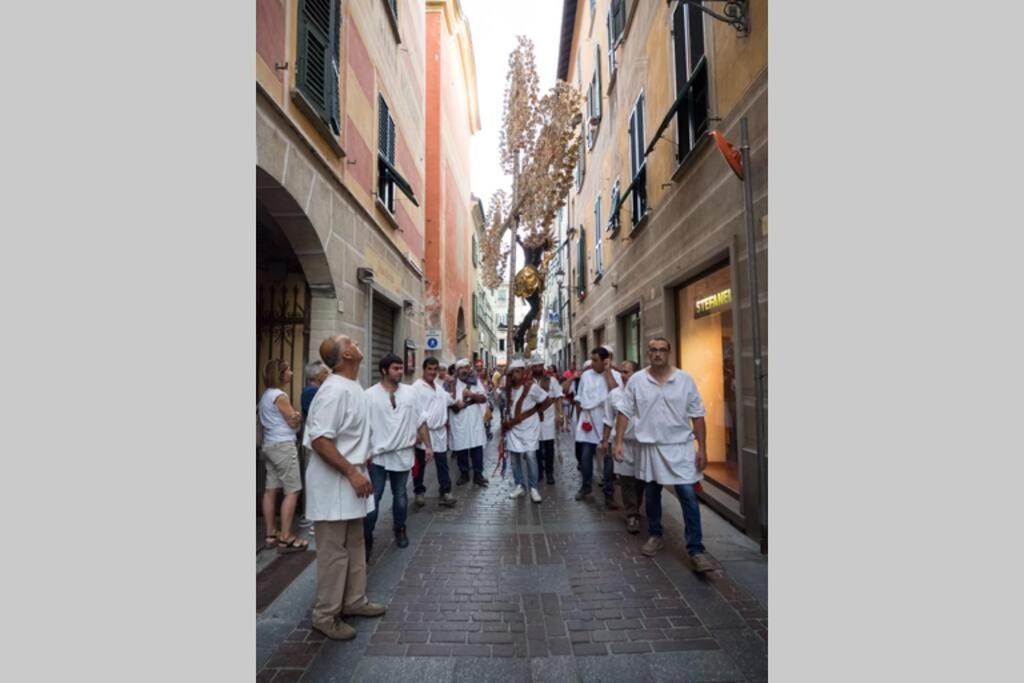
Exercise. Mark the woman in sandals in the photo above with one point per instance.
(280, 423)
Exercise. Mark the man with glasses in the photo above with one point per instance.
(667, 415)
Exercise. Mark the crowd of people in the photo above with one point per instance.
(645, 427)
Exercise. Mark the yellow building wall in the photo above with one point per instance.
(734, 61)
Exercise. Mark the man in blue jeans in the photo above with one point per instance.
(666, 413)
(434, 403)
(396, 421)
(593, 389)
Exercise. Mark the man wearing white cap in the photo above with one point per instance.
(467, 426)
(667, 415)
(521, 428)
(550, 420)
(591, 394)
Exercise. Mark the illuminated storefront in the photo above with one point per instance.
(705, 343)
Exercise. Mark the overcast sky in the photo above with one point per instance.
(494, 27)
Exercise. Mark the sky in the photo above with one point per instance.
(494, 27)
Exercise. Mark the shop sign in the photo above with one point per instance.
(715, 303)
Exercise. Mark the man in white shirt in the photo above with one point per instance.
(631, 487)
(434, 402)
(521, 428)
(396, 421)
(467, 425)
(338, 490)
(667, 415)
(551, 419)
(593, 389)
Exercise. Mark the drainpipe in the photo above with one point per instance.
(755, 309)
(365, 276)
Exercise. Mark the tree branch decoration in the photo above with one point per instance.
(539, 146)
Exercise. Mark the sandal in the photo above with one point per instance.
(270, 541)
(293, 545)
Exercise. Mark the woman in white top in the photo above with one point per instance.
(280, 422)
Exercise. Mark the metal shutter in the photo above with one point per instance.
(383, 333)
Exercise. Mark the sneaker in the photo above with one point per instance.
(448, 500)
(652, 546)
(367, 609)
(701, 563)
(535, 496)
(519, 492)
(480, 480)
(335, 630)
(418, 500)
(633, 524)
(463, 479)
(401, 539)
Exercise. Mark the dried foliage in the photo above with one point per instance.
(539, 138)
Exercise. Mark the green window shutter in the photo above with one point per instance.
(597, 80)
(317, 49)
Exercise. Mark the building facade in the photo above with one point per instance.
(484, 332)
(452, 117)
(657, 222)
(339, 179)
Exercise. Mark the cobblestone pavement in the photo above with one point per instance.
(498, 589)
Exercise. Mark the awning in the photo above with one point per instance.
(684, 95)
(386, 169)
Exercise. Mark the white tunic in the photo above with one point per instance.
(525, 436)
(434, 402)
(467, 425)
(662, 414)
(393, 429)
(612, 407)
(591, 394)
(547, 425)
(338, 412)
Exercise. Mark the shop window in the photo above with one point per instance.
(629, 325)
(706, 351)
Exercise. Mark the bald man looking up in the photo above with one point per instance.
(339, 492)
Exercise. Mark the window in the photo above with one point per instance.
(630, 327)
(581, 264)
(691, 74)
(476, 313)
(501, 345)
(476, 258)
(386, 152)
(637, 162)
(598, 260)
(594, 101)
(317, 59)
(617, 13)
(613, 215)
(391, 9)
(388, 177)
(581, 164)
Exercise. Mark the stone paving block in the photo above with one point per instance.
(554, 670)
(693, 667)
(503, 650)
(613, 669)
(681, 645)
(477, 669)
(386, 650)
(429, 650)
(585, 649)
(608, 636)
(391, 669)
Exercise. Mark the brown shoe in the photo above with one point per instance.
(701, 563)
(336, 630)
(367, 609)
(652, 546)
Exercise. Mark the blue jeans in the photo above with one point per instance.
(399, 508)
(531, 469)
(588, 451)
(691, 513)
(443, 480)
(477, 456)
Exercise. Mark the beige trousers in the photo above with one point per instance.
(341, 568)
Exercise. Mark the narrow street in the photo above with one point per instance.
(508, 590)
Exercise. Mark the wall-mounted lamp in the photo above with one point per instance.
(734, 13)
(364, 275)
(559, 277)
